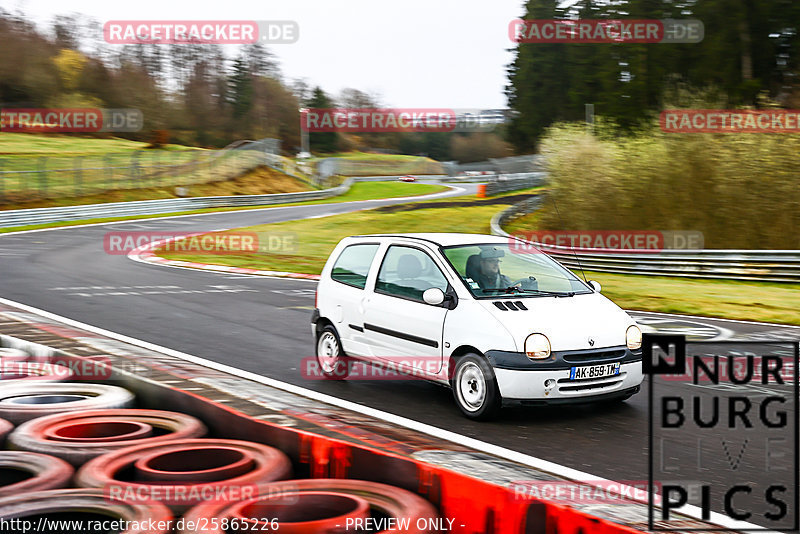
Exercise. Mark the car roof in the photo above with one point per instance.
(445, 239)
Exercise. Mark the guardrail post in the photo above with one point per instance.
(2, 180)
(42, 175)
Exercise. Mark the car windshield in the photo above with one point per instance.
(498, 270)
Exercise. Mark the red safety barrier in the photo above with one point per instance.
(78, 437)
(28, 471)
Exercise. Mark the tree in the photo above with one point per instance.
(322, 141)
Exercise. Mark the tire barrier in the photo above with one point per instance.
(13, 355)
(16, 371)
(79, 437)
(184, 472)
(23, 471)
(5, 429)
(82, 505)
(288, 503)
(20, 402)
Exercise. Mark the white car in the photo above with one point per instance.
(494, 318)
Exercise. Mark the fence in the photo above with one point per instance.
(375, 167)
(755, 265)
(24, 178)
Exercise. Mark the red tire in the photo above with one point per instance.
(37, 472)
(5, 429)
(84, 504)
(20, 402)
(183, 472)
(13, 355)
(415, 512)
(81, 436)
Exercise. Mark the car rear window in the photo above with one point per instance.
(352, 265)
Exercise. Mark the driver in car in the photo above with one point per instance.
(489, 275)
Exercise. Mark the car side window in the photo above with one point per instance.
(407, 272)
(352, 265)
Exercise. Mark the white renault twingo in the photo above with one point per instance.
(497, 320)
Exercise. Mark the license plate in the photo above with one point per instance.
(594, 371)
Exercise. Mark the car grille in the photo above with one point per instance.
(567, 386)
(598, 355)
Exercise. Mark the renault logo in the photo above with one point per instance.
(591, 342)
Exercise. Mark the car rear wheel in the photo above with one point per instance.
(475, 388)
(332, 360)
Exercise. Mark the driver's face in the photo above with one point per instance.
(490, 266)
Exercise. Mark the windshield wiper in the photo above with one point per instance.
(512, 289)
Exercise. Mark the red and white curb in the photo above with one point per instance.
(145, 254)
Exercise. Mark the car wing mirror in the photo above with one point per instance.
(433, 296)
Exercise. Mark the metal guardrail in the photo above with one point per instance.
(13, 218)
(755, 265)
(510, 165)
(515, 183)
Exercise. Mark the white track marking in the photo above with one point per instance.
(501, 452)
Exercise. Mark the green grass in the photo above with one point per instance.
(18, 144)
(316, 238)
(358, 191)
(753, 301)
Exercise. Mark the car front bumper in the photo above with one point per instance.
(525, 385)
(520, 378)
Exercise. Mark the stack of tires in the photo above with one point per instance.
(80, 451)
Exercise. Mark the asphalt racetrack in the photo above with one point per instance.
(262, 325)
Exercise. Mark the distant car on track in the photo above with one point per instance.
(531, 333)
(408, 178)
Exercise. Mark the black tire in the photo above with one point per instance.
(475, 388)
(333, 362)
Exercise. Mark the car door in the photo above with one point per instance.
(347, 293)
(399, 326)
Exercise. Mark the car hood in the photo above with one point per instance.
(568, 322)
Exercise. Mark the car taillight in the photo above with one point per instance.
(316, 293)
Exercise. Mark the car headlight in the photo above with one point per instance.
(633, 337)
(537, 347)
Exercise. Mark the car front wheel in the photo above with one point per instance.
(331, 358)
(475, 388)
